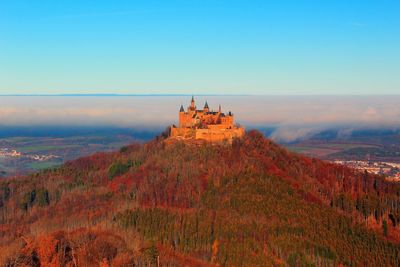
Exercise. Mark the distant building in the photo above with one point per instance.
(212, 126)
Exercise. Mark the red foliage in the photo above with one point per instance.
(173, 176)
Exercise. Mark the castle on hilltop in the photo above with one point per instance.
(212, 126)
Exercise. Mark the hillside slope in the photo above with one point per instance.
(251, 203)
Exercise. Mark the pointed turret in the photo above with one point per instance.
(219, 109)
(193, 104)
(181, 109)
(206, 109)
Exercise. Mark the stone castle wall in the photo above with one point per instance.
(183, 132)
(217, 135)
(212, 135)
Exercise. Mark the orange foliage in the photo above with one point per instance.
(178, 177)
(46, 251)
(214, 251)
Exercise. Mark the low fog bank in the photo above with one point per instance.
(283, 118)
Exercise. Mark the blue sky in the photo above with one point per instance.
(200, 47)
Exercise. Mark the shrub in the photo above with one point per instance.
(40, 196)
(43, 198)
(385, 228)
(118, 168)
(28, 199)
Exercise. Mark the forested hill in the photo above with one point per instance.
(251, 203)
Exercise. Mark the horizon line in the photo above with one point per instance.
(182, 94)
(116, 94)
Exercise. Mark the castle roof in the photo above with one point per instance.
(181, 110)
(206, 105)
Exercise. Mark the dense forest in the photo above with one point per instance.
(174, 203)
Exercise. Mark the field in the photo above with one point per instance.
(39, 151)
(373, 147)
(322, 150)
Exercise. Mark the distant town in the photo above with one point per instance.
(21, 155)
(390, 170)
(12, 153)
(373, 151)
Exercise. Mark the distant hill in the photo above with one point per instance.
(251, 203)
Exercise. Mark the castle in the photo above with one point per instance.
(212, 126)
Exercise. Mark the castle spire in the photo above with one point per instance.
(181, 110)
(206, 109)
(219, 109)
(193, 104)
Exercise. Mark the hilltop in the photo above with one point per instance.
(249, 203)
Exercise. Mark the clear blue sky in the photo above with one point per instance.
(200, 47)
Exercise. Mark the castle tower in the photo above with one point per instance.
(206, 109)
(181, 116)
(193, 104)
